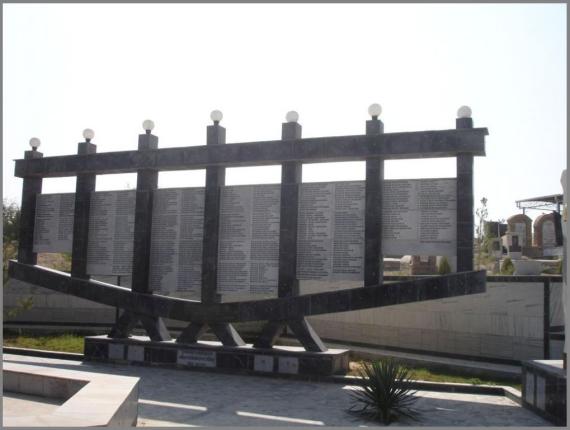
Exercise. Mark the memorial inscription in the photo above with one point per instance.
(418, 216)
(111, 230)
(53, 229)
(176, 240)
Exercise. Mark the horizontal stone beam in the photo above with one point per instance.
(422, 144)
(280, 309)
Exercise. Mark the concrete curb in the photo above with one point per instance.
(449, 387)
(42, 353)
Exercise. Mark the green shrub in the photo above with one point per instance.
(558, 270)
(444, 266)
(386, 394)
(507, 268)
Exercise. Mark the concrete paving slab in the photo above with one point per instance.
(169, 397)
(21, 405)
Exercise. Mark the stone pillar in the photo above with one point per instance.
(84, 186)
(465, 216)
(288, 285)
(291, 173)
(373, 258)
(215, 180)
(31, 187)
(147, 183)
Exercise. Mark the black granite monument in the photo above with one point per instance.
(139, 304)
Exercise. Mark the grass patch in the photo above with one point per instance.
(423, 374)
(62, 342)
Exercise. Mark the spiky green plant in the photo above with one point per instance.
(386, 394)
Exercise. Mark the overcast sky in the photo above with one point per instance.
(109, 67)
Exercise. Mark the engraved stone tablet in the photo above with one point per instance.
(116, 351)
(540, 393)
(111, 233)
(529, 395)
(289, 365)
(176, 241)
(419, 217)
(263, 363)
(248, 252)
(53, 230)
(331, 231)
(135, 353)
(197, 358)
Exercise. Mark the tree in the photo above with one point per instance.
(11, 221)
(11, 225)
(482, 212)
(444, 267)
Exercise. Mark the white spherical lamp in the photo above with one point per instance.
(88, 134)
(35, 143)
(292, 116)
(374, 110)
(216, 116)
(148, 125)
(464, 112)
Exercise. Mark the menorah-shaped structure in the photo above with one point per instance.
(290, 309)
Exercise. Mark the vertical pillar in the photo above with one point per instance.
(465, 216)
(147, 183)
(215, 179)
(288, 285)
(373, 259)
(84, 186)
(546, 320)
(31, 187)
(291, 174)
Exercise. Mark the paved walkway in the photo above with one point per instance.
(171, 397)
(21, 405)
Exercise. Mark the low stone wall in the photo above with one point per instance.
(506, 322)
(92, 399)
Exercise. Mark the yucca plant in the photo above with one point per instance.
(386, 394)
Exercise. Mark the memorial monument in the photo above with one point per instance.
(261, 240)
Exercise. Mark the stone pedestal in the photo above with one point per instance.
(207, 355)
(544, 389)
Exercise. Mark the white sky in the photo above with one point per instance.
(109, 67)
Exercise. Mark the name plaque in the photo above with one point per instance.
(419, 218)
(197, 358)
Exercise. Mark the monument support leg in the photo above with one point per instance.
(227, 334)
(124, 325)
(192, 333)
(155, 328)
(30, 189)
(215, 179)
(307, 336)
(269, 334)
(287, 285)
